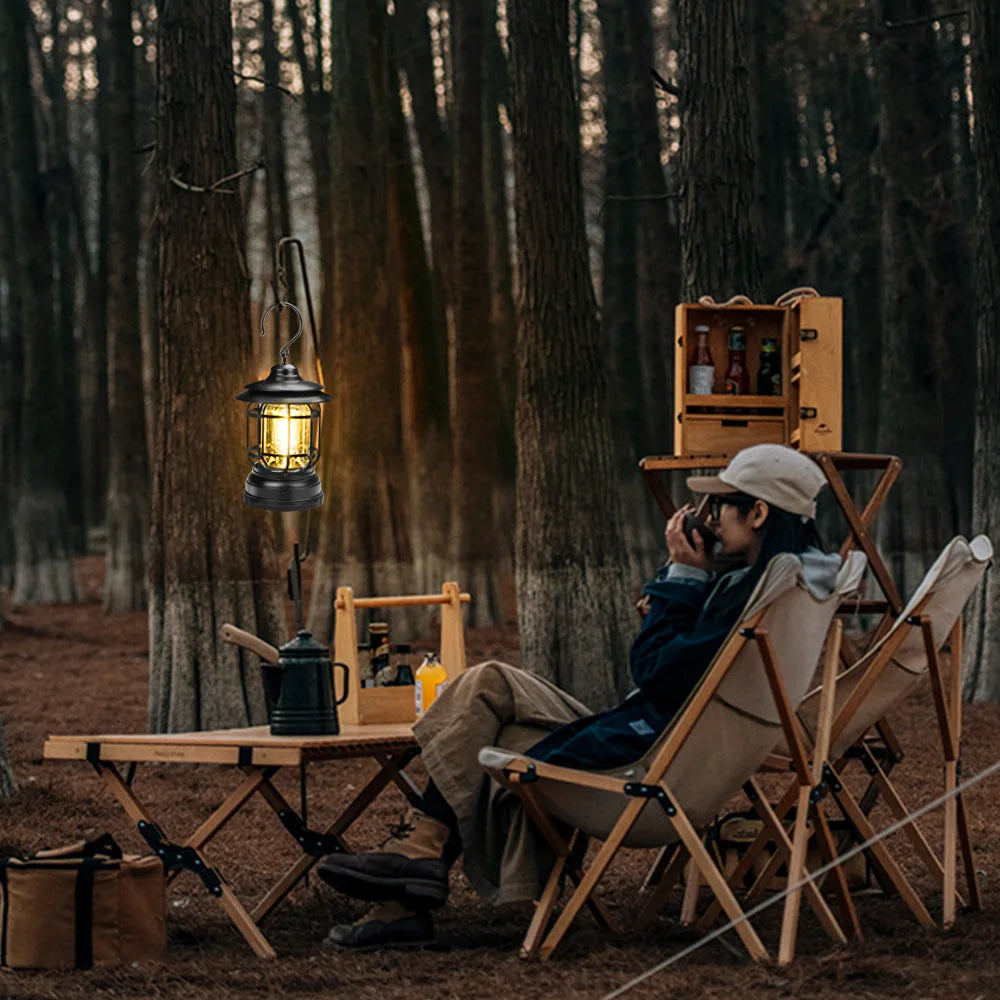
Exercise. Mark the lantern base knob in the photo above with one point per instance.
(269, 490)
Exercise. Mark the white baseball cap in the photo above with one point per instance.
(771, 472)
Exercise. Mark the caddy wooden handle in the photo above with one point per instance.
(236, 636)
(413, 600)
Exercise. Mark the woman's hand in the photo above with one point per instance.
(681, 550)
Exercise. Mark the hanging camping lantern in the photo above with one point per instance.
(283, 434)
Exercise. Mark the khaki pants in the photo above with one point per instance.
(493, 704)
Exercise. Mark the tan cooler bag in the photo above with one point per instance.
(79, 906)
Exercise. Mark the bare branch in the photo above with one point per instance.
(266, 83)
(216, 187)
(929, 19)
(666, 85)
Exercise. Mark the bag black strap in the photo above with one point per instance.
(4, 910)
(105, 845)
(84, 900)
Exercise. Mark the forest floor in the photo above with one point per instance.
(74, 669)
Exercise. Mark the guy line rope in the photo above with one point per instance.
(812, 876)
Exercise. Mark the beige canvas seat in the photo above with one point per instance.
(905, 658)
(745, 701)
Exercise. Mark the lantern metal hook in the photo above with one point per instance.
(283, 351)
(280, 285)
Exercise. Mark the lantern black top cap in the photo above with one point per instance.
(284, 385)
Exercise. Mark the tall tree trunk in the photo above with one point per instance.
(93, 360)
(424, 366)
(145, 111)
(11, 366)
(658, 244)
(8, 786)
(618, 262)
(916, 520)
(475, 424)
(433, 136)
(952, 245)
(495, 157)
(719, 229)
(776, 135)
(212, 560)
(982, 665)
(503, 322)
(61, 184)
(318, 111)
(42, 531)
(860, 234)
(573, 609)
(623, 50)
(128, 469)
(279, 209)
(363, 538)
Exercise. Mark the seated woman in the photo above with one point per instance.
(762, 504)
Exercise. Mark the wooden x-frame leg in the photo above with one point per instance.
(390, 771)
(957, 839)
(859, 522)
(197, 860)
(566, 863)
(190, 855)
(948, 706)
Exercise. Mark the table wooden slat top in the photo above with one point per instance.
(252, 745)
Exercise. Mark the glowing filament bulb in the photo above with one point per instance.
(284, 435)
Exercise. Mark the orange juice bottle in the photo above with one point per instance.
(431, 678)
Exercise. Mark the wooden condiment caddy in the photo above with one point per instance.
(392, 704)
(807, 414)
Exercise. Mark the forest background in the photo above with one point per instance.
(500, 208)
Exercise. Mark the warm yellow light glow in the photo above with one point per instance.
(284, 435)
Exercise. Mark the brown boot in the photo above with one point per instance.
(407, 868)
(385, 925)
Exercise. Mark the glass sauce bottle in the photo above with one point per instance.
(769, 375)
(737, 376)
(701, 368)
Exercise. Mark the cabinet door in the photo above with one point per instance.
(817, 370)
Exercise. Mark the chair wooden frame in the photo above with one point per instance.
(947, 698)
(520, 773)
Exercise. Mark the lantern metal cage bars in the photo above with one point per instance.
(283, 436)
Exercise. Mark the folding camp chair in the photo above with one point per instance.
(719, 738)
(887, 673)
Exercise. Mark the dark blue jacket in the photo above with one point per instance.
(678, 640)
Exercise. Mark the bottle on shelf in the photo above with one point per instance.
(737, 377)
(701, 368)
(431, 678)
(769, 374)
(404, 674)
(378, 652)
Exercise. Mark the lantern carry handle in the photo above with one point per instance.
(283, 352)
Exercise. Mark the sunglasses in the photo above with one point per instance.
(739, 500)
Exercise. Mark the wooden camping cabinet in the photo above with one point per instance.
(365, 706)
(808, 413)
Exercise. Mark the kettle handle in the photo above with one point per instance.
(347, 681)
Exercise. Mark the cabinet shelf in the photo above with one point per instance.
(725, 402)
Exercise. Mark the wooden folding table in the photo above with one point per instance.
(256, 756)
